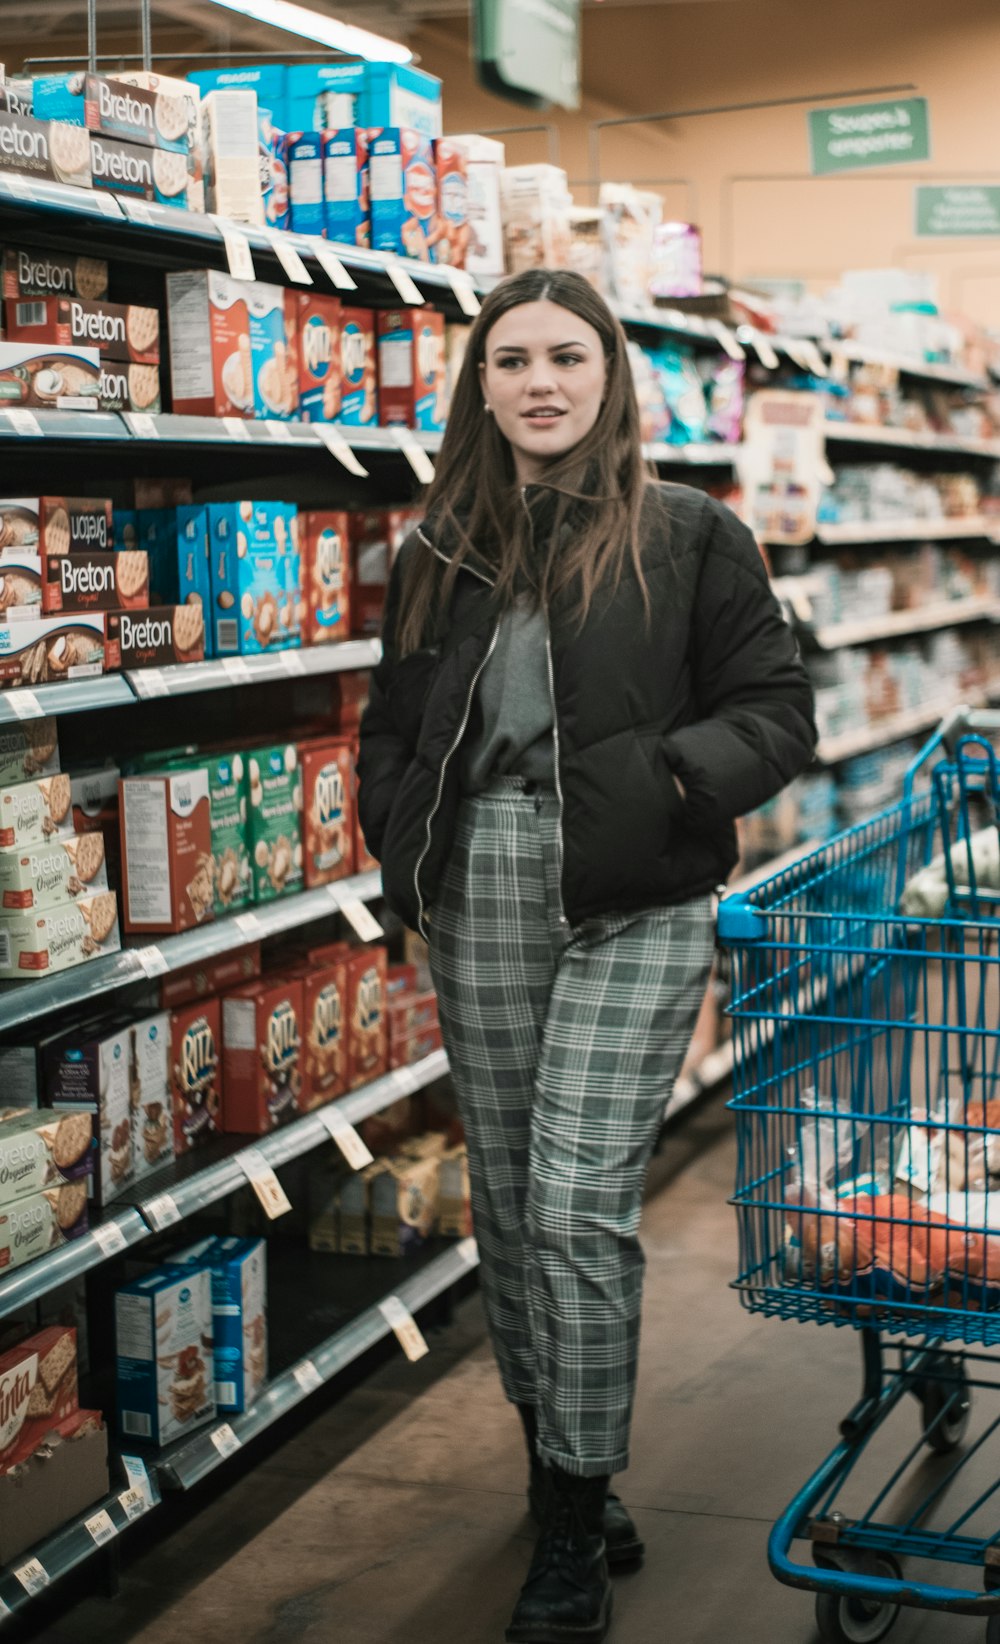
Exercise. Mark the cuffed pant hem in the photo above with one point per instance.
(583, 1469)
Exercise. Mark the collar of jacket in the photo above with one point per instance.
(541, 502)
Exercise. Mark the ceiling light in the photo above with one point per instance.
(283, 14)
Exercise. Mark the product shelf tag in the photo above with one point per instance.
(331, 265)
(225, 1440)
(288, 257)
(109, 1238)
(264, 1182)
(415, 454)
(24, 703)
(407, 1331)
(307, 1376)
(102, 1527)
(23, 421)
(32, 1575)
(407, 292)
(161, 1212)
(362, 920)
(338, 447)
(238, 253)
(465, 292)
(355, 1151)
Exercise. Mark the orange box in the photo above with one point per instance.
(261, 1054)
(324, 1032)
(229, 970)
(327, 811)
(211, 370)
(367, 1033)
(166, 837)
(323, 545)
(318, 317)
(358, 370)
(376, 538)
(196, 1072)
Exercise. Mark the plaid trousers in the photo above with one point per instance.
(564, 1045)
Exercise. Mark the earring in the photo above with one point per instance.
(487, 408)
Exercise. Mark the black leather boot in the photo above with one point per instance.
(625, 1547)
(567, 1596)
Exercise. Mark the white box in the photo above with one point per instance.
(230, 144)
(239, 1315)
(149, 1089)
(536, 202)
(485, 158)
(163, 1334)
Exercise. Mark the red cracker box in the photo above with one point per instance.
(55, 525)
(364, 861)
(211, 368)
(367, 1035)
(38, 1389)
(358, 372)
(411, 369)
(166, 835)
(323, 543)
(348, 700)
(318, 319)
(327, 811)
(400, 979)
(196, 1072)
(409, 1012)
(261, 1054)
(96, 580)
(119, 331)
(229, 970)
(324, 1032)
(408, 1048)
(376, 538)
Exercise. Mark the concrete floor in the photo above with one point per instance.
(396, 1516)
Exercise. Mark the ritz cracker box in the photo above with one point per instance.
(367, 1030)
(327, 811)
(196, 1072)
(324, 1032)
(318, 323)
(324, 542)
(261, 1054)
(358, 374)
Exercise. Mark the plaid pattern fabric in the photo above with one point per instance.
(564, 1046)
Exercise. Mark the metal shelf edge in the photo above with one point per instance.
(26, 1284)
(860, 532)
(69, 1547)
(948, 614)
(308, 661)
(835, 749)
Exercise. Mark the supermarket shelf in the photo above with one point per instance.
(860, 433)
(833, 749)
(26, 1284)
(956, 375)
(905, 530)
(188, 1463)
(108, 427)
(254, 670)
(74, 696)
(692, 456)
(70, 1546)
(948, 613)
(22, 1002)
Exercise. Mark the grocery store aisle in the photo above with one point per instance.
(397, 1514)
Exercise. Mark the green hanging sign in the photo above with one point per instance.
(869, 134)
(961, 210)
(528, 50)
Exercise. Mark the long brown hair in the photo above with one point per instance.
(475, 499)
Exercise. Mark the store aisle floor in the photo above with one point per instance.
(397, 1515)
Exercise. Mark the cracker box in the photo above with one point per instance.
(274, 351)
(261, 1054)
(178, 105)
(125, 386)
(400, 979)
(47, 378)
(150, 1094)
(28, 748)
(227, 803)
(209, 344)
(358, 370)
(294, 614)
(327, 819)
(324, 1032)
(403, 1204)
(43, 942)
(46, 149)
(55, 1484)
(163, 1337)
(452, 232)
(33, 1226)
(157, 637)
(253, 605)
(137, 172)
(20, 585)
(93, 1070)
(318, 319)
(229, 970)
(93, 799)
(273, 149)
(36, 877)
(196, 1072)
(485, 159)
(44, 1149)
(376, 538)
(239, 1315)
(411, 376)
(305, 181)
(166, 851)
(275, 831)
(136, 114)
(403, 185)
(27, 272)
(409, 1011)
(348, 700)
(176, 540)
(364, 861)
(119, 331)
(94, 580)
(408, 1048)
(38, 1389)
(32, 812)
(323, 538)
(536, 202)
(230, 144)
(43, 649)
(347, 203)
(56, 525)
(367, 1037)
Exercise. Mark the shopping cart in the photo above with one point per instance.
(866, 1007)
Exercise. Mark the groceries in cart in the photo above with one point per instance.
(974, 863)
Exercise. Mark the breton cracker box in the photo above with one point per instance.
(403, 186)
(172, 93)
(411, 375)
(156, 637)
(43, 378)
(253, 604)
(211, 373)
(126, 386)
(55, 1484)
(358, 370)
(149, 1050)
(239, 1315)
(166, 851)
(230, 143)
(93, 1070)
(44, 148)
(41, 876)
(38, 1388)
(318, 325)
(274, 357)
(34, 943)
(33, 1226)
(20, 585)
(95, 580)
(119, 331)
(43, 1149)
(28, 749)
(305, 181)
(346, 197)
(324, 1032)
(451, 169)
(138, 172)
(27, 272)
(323, 538)
(367, 1036)
(229, 970)
(42, 649)
(196, 1072)
(327, 812)
(275, 820)
(261, 1054)
(55, 525)
(165, 1383)
(136, 114)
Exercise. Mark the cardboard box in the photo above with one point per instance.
(324, 1033)
(403, 186)
(38, 1389)
(211, 373)
(37, 877)
(56, 525)
(408, 1048)
(325, 577)
(408, 1012)
(149, 1049)
(93, 1070)
(294, 615)
(229, 970)
(376, 538)
(318, 325)
(273, 152)
(347, 199)
(45, 1221)
(274, 354)
(163, 1329)
(63, 1477)
(267, 82)
(485, 160)
(57, 938)
(122, 386)
(45, 149)
(367, 1035)
(169, 90)
(305, 181)
(43, 649)
(27, 272)
(327, 812)
(44, 378)
(119, 331)
(166, 851)
(358, 397)
(230, 144)
(157, 119)
(28, 749)
(32, 812)
(454, 1198)
(44, 1149)
(404, 1204)
(239, 1316)
(196, 1072)
(157, 637)
(176, 540)
(411, 373)
(93, 799)
(261, 1054)
(400, 979)
(20, 585)
(536, 202)
(452, 231)
(136, 172)
(275, 820)
(95, 580)
(253, 603)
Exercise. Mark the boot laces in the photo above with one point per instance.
(564, 1547)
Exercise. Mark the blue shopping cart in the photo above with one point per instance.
(866, 1011)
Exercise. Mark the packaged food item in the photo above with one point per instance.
(20, 585)
(367, 1037)
(725, 392)
(55, 525)
(305, 181)
(293, 614)
(324, 1032)
(323, 1186)
(407, 1011)
(211, 370)
(586, 244)
(274, 354)
(44, 875)
(323, 538)
(228, 792)
(684, 393)
(55, 379)
(347, 197)
(376, 538)
(239, 1315)
(157, 637)
(364, 861)
(407, 1048)
(38, 1389)
(92, 1069)
(411, 374)
(456, 341)
(119, 331)
(124, 386)
(47, 149)
(166, 851)
(400, 979)
(327, 820)
(42, 649)
(178, 105)
(403, 188)
(30, 272)
(138, 172)
(163, 1335)
(267, 82)
(630, 218)
(318, 356)
(536, 202)
(27, 749)
(150, 1097)
(158, 119)
(275, 820)
(196, 1072)
(93, 799)
(33, 1226)
(675, 263)
(59, 937)
(177, 542)
(44, 1149)
(230, 146)
(94, 580)
(254, 588)
(358, 371)
(403, 1204)
(31, 813)
(485, 158)
(229, 970)
(452, 230)
(261, 1051)
(54, 1484)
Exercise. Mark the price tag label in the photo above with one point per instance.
(16, 184)
(415, 454)
(408, 292)
(149, 682)
(766, 351)
(161, 1212)
(5, 1609)
(152, 961)
(109, 1238)
(225, 1440)
(279, 431)
(106, 204)
(398, 1316)
(142, 425)
(264, 1183)
(138, 1480)
(813, 358)
(25, 704)
(465, 292)
(307, 1376)
(331, 265)
(404, 1080)
(32, 1575)
(289, 258)
(133, 1504)
(362, 919)
(138, 212)
(102, 1527)
(291, 663)
(237, 669)
(468, 1251)
(247, 922)
(346, 1137)
(238, 254)
(236, 428)
(338, 447)
(727, 338)
(24, 421)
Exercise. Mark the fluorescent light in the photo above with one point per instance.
(283, 14)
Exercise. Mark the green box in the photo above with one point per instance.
(228, 808)
(869, 134)
(274, 816)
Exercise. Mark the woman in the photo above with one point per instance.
(585, 680)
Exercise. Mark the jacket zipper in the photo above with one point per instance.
(555, 714)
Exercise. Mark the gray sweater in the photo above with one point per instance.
(510, 729)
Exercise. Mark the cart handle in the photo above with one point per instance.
(954, 726)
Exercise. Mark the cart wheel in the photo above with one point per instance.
(844, 1619)
(949, 1432)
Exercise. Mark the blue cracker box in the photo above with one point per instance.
(364, 94)
(403, 187)
(249, 577)
(59, 97)
(305, 181)
(176, 540)
(411, 370)
(125, 528)
(346, 193)
(269, 81)
(165, 1380)
(239, 1315)
(295, 610)
(315, 90)
(273, 356)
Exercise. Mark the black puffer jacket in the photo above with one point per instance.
(712, 690)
